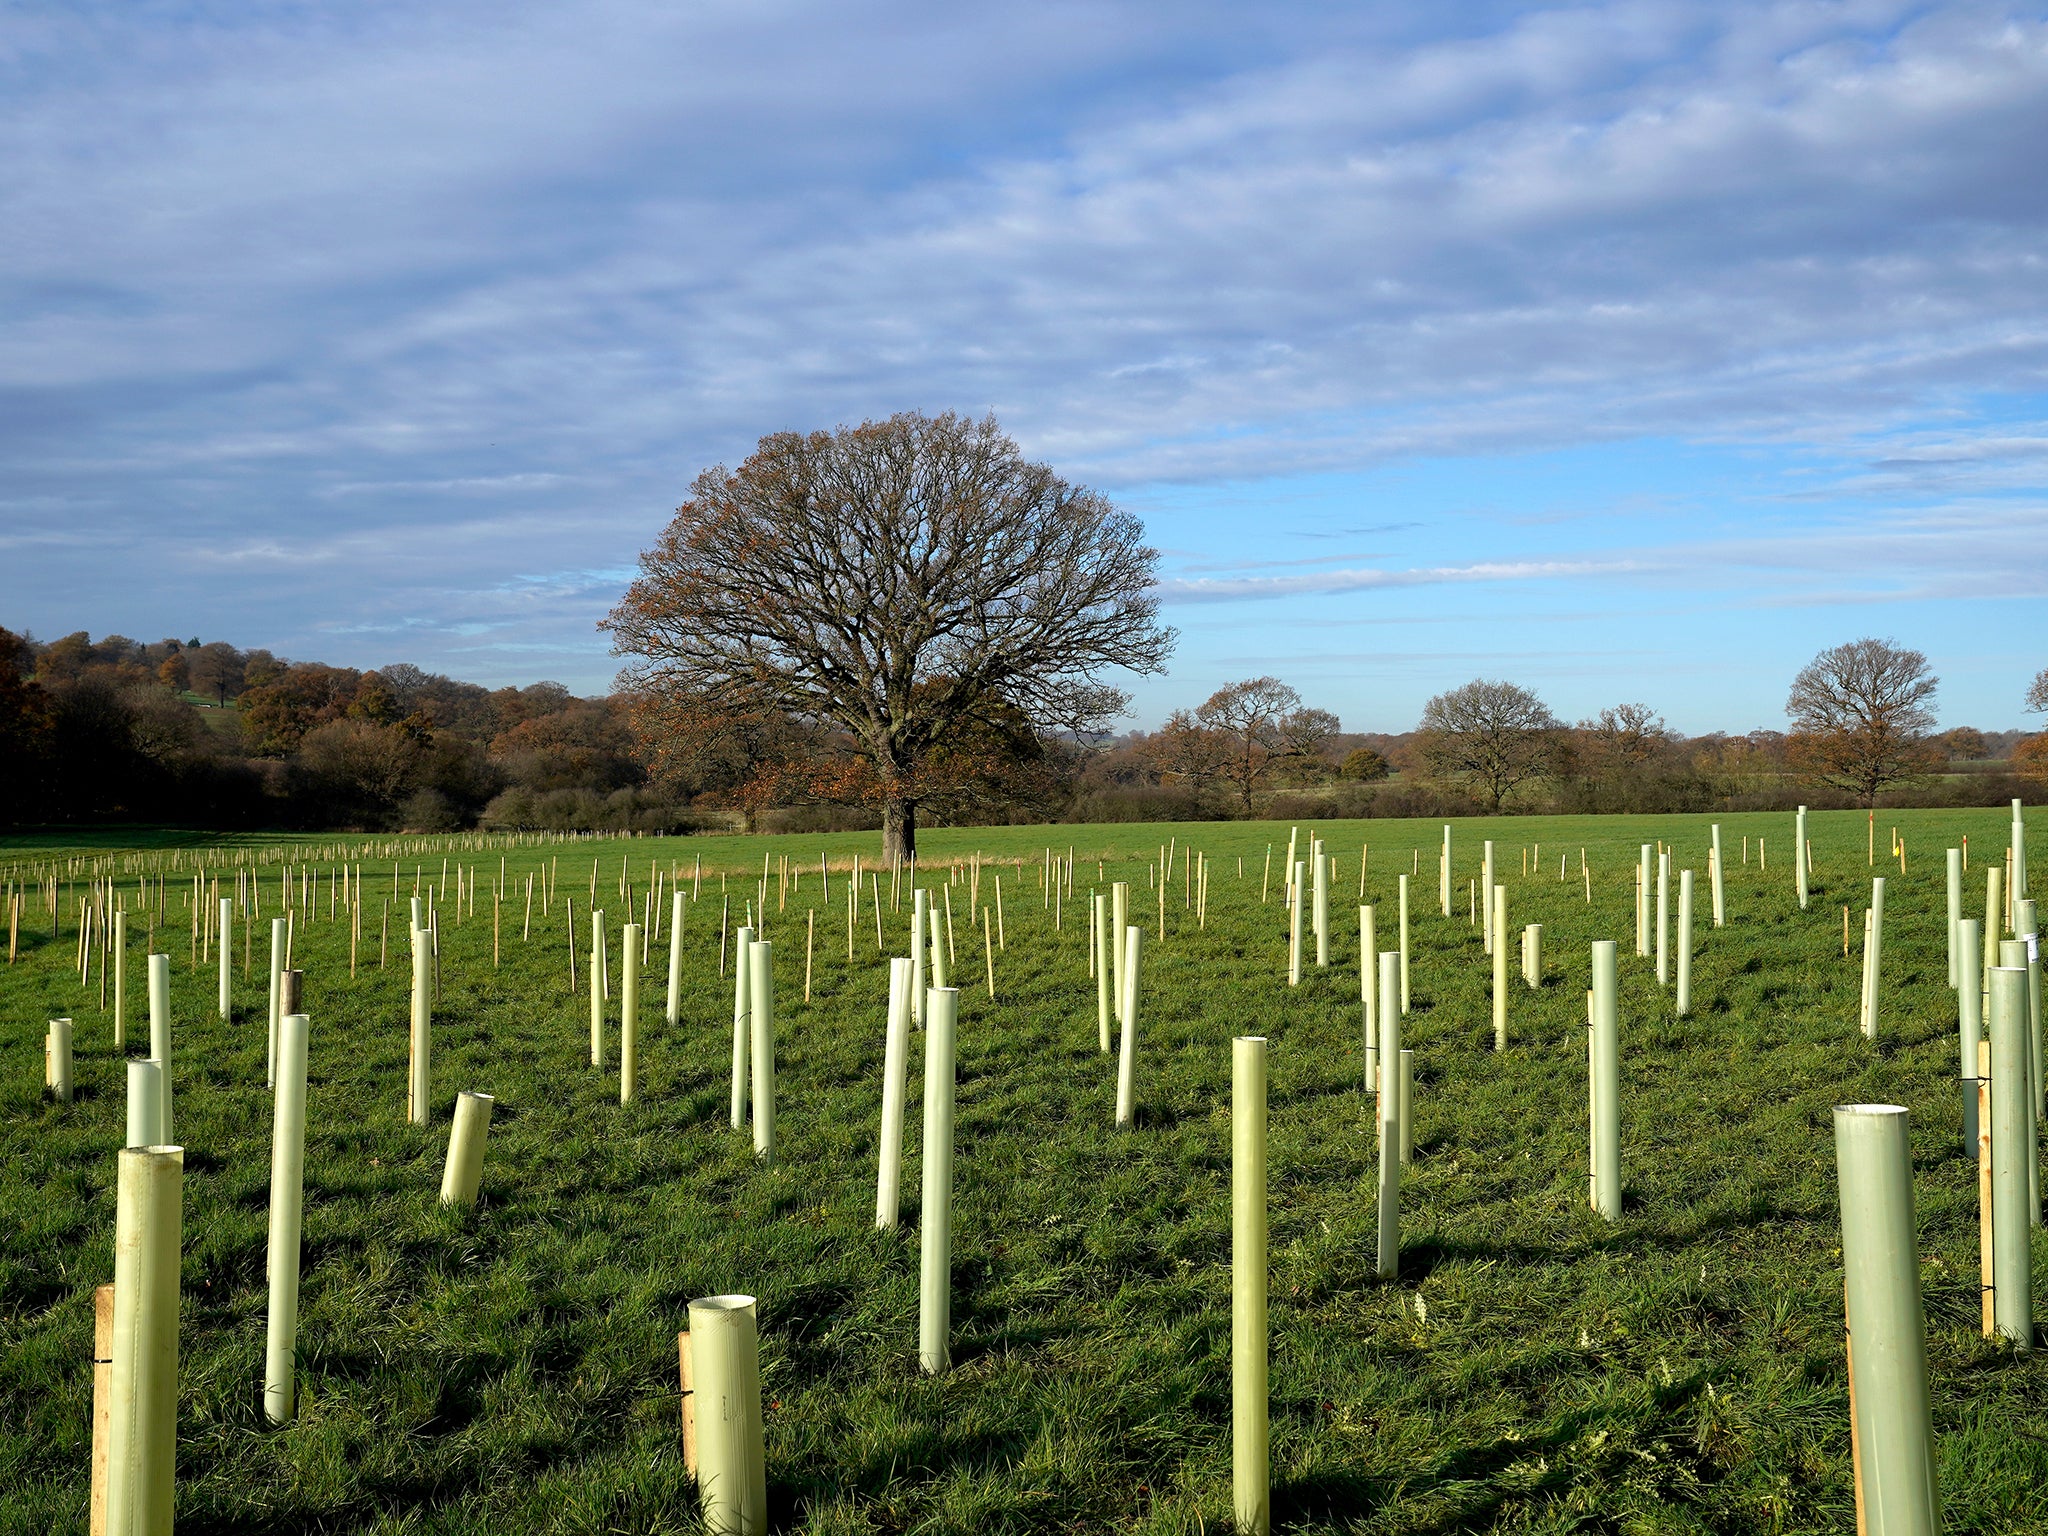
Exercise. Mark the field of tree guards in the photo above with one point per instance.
(1505, 1174)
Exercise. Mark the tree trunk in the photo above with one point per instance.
(899, 829)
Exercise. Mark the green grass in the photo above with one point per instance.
(1533, 1369)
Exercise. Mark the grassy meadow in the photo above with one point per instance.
(1533, 1369)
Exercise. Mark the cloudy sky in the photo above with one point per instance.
(1629, 351)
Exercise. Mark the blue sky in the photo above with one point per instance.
(1629, 351)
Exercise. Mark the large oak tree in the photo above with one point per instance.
(909, 585)
(1861, 715)
(1493, 736)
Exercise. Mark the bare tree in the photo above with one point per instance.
(906, 581)
(1187, 750)
(1263, 720)
(2037, 692)
(1625, 737)
(1494, 736)
(1861, 714)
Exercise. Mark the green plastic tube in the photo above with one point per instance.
(725, 1387)
(227, 956)
(629, 1012)
(1873, 958)
(1717, 881)
(761, 1035)
(1368, 965)
(1643, 888)
(935, 1217)
(1405, 946)
(1969, 1024)
(1119, 920)
(1487, 936)
(1955, 911)
(1893, 1420)
(423, 1025)
(120, 978)
(895, 1070)
(1406, 1106)
(142, 1395)
(1443, 873)
(1800, 873)
(1684, 956)
(2012, 954)
(1294, 924)
(1604, 1087)
(2026, 926)
(1389, 1254)
(57, 1056)
(675, 958)
(597, 988)
(1104, 966)
(920, 924)
(279, 932)
(160, 1035)
(1664, 918)
(941, 966)
(463, 1173)
(742, 1003)
(1322, 908)
(1251, 1472)
(2012, 1298)
(1499, 907)
(287, 1204)
(1127, 1043)
(145, 1103)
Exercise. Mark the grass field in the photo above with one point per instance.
(513, 1369)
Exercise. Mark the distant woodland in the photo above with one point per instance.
(206, 734)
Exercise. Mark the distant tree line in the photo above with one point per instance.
(207, 734)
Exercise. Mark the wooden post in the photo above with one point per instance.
(102, 1400)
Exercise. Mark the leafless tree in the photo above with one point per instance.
(1494, 736)
(1262, 721)
(1861, 714)
(2037, 692)
(906, 581)
(1626, 736)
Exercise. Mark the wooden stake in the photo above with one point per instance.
(689, 1404)
(102, 1401)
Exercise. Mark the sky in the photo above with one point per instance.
(1624, 351)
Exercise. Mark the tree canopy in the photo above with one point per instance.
(1861, 714)
(913, 587)
(1492, 735)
